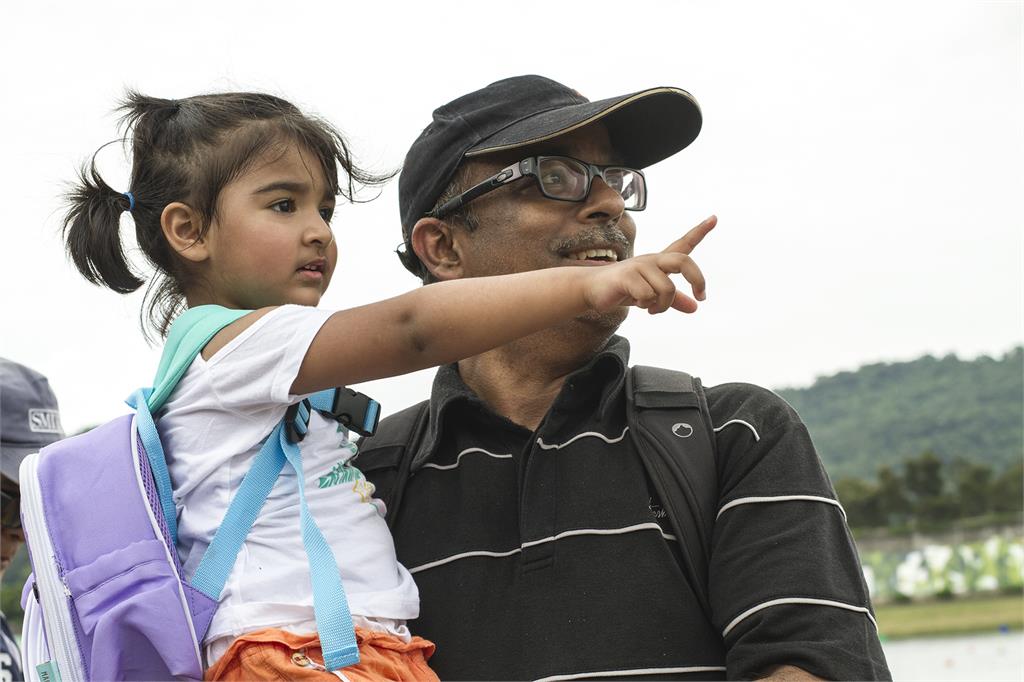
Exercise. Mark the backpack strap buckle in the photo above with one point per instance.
(355, 411)
(296, 421)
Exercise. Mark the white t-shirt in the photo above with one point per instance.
(212, 427)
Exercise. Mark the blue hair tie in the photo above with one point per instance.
(131, 201)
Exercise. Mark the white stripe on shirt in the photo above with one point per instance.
(797, 600)
(635, 671)
(781, 498)
(739, 421)
(458, 459)
(591, 434)
(533, 543)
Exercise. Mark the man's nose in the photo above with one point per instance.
(602, 202)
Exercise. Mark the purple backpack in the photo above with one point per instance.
(107, 599)
(105, 571)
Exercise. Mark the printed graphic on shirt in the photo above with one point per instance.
(342, 473)
(364, 489)
(657, 511)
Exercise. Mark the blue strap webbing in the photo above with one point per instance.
(188, 336)
(322, 401)
(146, 428)
(370, 419)
(333, 619)
(218, 561)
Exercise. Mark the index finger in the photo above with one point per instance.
(689, 241)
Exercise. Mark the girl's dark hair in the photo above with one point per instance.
(187, 150)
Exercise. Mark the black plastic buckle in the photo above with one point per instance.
(356, 411)
(291, 421)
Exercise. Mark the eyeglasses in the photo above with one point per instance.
(558, 177)
(10, 510)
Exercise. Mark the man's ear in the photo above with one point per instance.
(181, 226)
(436, 245)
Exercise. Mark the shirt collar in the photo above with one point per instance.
(607, 369)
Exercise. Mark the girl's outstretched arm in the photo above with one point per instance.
(448, 321)
(452, 320)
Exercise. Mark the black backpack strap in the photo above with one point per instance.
(386, 458)
(670, 425)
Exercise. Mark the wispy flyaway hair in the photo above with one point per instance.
(187, 151)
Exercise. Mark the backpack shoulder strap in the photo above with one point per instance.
(189, 334)
(669, 422)
(397, 442)
(330, 604)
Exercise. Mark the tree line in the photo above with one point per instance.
(947, 406)
(926, 493)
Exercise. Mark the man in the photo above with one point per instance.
(539, 545)
(29, 421)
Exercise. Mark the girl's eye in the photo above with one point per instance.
(283, 206)
(327, 214)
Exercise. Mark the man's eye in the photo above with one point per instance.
(554, 178)
(615, 178)
(283, 206)
(327, 214)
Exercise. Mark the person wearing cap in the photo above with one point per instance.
(29, 421)
(537, 541)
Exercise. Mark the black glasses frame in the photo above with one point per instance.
(528, 167)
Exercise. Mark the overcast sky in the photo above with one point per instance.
(864, 159)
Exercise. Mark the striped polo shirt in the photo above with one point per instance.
(545, 555)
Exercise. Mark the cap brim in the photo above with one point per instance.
(645, 127)
(11, 457)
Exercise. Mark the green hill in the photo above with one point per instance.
(886, 413)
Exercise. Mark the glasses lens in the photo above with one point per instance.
(562, 178)
(10, 510)
(629, 184)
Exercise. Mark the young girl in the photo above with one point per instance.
(232, 197)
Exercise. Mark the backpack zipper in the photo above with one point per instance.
(57, 621)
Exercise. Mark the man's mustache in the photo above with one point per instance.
(603, 234)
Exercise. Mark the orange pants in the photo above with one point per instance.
(278, 655)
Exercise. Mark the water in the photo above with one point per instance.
(969, 657)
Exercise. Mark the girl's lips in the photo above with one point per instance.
(314, 270)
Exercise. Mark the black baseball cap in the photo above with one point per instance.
(29, 417)
(645, 127)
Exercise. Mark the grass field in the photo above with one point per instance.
(958, 616)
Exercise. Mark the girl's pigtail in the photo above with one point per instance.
(92, 234)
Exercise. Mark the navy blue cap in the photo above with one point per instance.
(29, 418)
